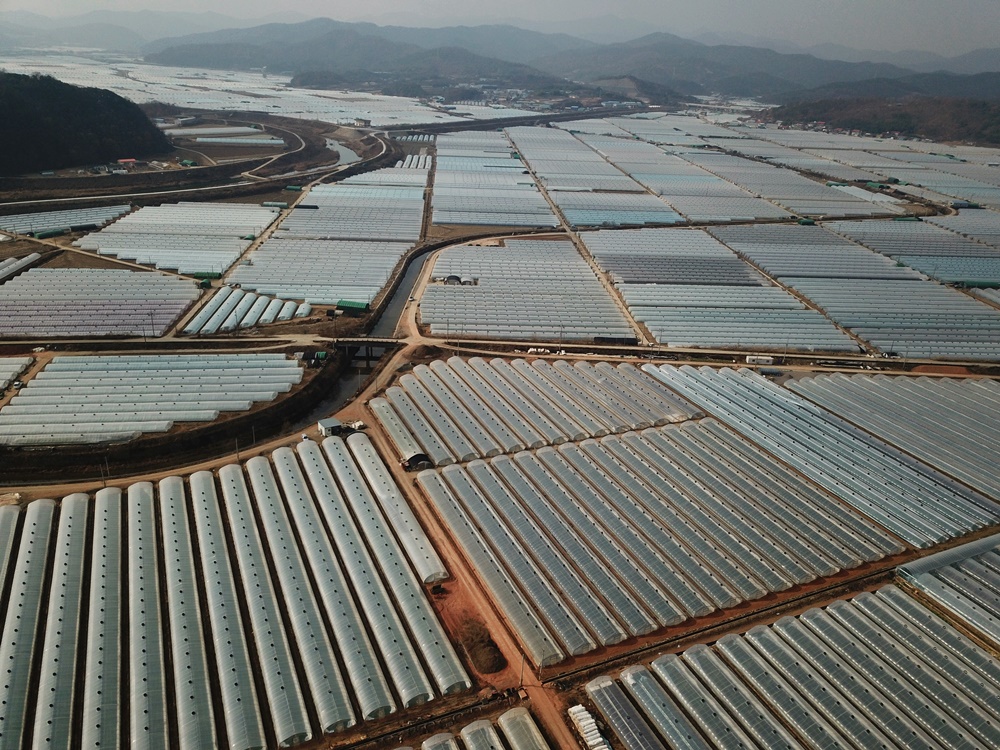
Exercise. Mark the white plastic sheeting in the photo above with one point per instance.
(442, 661)
(479, 181)
(138, 394)
(146, 658)
(371, 688)
(10, 267)
(690, 290)
(520, 730)
(25, 603)
(191, 238)
(421, 554)
(46, 221)
(480, 409)
(57, 695)
(947, 423)
(282, 687)
(655, 522)
(527, 289)
(876, 671)
(323, 678)
(911, 500)
(342, 242)
(326, 583)
(965, 581)
(102, 677)
(192, 690)
(241, 709)
(50, 302)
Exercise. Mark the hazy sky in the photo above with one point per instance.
(943, 26)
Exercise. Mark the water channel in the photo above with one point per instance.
(344, 154)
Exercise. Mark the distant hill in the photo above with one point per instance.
(451, 72)
(459, 63)
(332, 50)
(56, 125)
(429, 71)
(95, 35)
(982, 86)
(328, 54)
(502, 42)
(985, 60)
(632, 87)
(693, 68)
(658, 67)
(935, 118)
(664, 63)
(141, 26)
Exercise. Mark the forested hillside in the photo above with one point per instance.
(48, 124)
(938, 119)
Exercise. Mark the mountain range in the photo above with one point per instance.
(660, 61)
(503, 54)
(123, 31)
(501, 42)
(696, 68)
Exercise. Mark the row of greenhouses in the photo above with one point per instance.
(456, 410)
(320, 271)
(712, 186)
(99, 399)
(591, 544)
(525, 289)
(697, 194)
(363, 207)
(937, 252)
(787, 188)
(915, 502)
(902, 318)
(48, 302)
(964, 582)
(690, 290)
(880, 670)
(918, 168)
(981, 226)
(589, 190)
(790, 250)
(52, 221)
(882, 300)
(948, 423)
(262, 607)
(10, 267)
(342, 241)
(230, 309)
(517, 728)
(480, 181)
(190, 238)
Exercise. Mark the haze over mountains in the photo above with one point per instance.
(772, 70)
(502, 42)
(114, 30)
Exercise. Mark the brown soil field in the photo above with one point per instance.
(20, 248)
(78, 259)
(941, 370)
